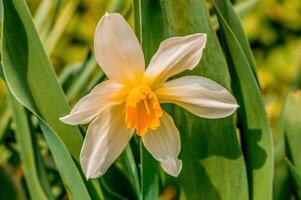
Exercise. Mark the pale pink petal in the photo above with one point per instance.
(174, 56)
(201, 96)
(117, 50)
(104, 95)
(164, 144)
(106, 138)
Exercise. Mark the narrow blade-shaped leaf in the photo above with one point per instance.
(24, 140)
(230, 16)
(292, 127)
(213, 165)
(281, 183)
(241, 8)
(71, 177)
(296, 178)
(30, 76)
(253, 123)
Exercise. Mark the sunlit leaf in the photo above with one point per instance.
(281, 182)
(32, 81)
(241, 8)
(292, 127)
(287, 143)
(29, 74)
(253, 123)
(213, 165)
(64, 17)
(232, 19)
(81, 80)
(42, 13)
(68, 170)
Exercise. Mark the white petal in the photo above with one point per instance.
(201, 96)
(164, 144)
(117, 50)
(106, 138)
(104, 95)
(174, 56)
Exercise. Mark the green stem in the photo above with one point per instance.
(138, 19)
(141, 169)
(138, 31)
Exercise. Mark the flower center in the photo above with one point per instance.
(143, 109)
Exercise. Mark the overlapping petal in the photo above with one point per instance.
(106, 138)
(104, 95)
(174, 56)
(117, 50)
(164, 144)
(199, 95)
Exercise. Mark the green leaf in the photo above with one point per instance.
(24, 140)
(130, 169)
(67, 72)
(81, 80)
(61, 22)
(70, 175)
(149, 175)
(152, 19)
(41, 166)
(287, 143)
(253, 123)
(230, 16)
(29, 74)
(241, 8)
(292, 127)
(213, 165)
(46, 26)
(31, 79)
(40, 16)
(296, 178)
(281, 182)
(5, 111)
(4, 121)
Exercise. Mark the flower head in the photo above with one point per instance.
(130, 100)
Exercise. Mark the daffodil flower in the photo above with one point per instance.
(129, 102)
